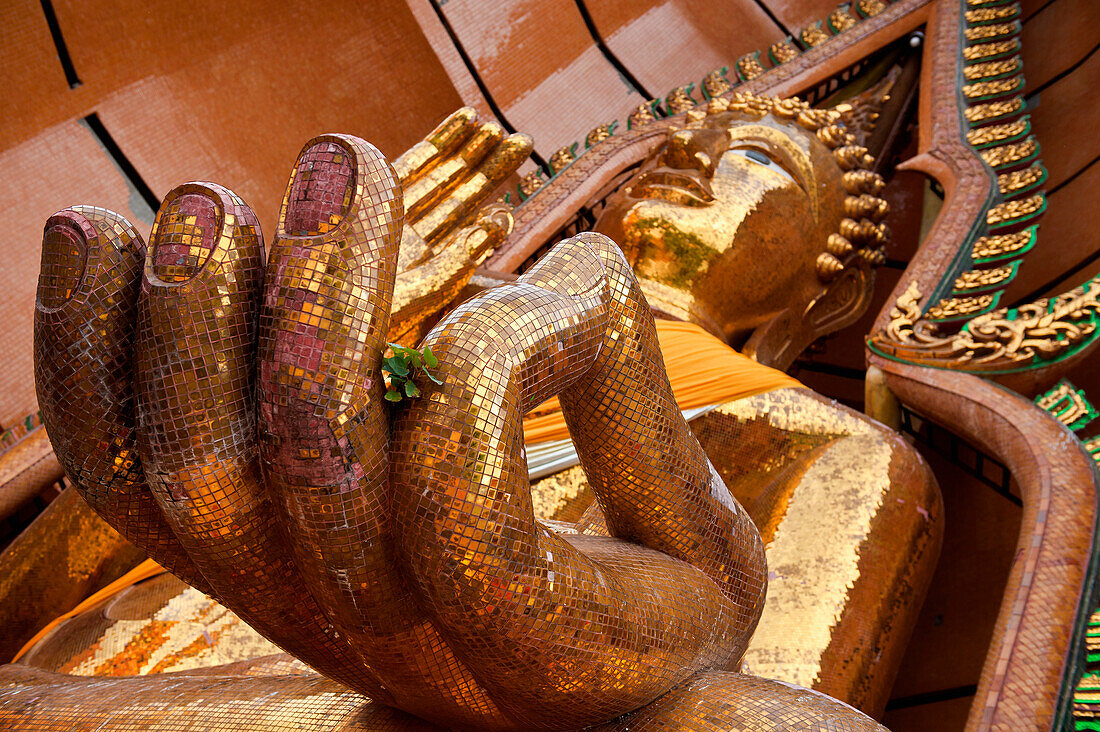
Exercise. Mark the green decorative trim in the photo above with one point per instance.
(1015, 223)
(1000, 284)
(1032, 232)
(1068, 405)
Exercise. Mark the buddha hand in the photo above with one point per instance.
(226, 415)
(449, 229)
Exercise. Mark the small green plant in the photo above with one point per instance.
(401, 368)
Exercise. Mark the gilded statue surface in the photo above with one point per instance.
(390, 544)
(431, 585)
(753, 190)
(372, 535)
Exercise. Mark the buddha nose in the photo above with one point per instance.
(697, 149)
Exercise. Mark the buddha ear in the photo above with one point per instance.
(779, 342)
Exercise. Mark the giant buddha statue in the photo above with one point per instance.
(753, 190)
(397, 550)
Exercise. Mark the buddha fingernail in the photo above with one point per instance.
(184, 234)
(64, 256)
(453, 129)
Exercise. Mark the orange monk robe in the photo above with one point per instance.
(702, 369)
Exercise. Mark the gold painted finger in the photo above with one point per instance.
(422, 292)
(651, 477)
(324, 425)
(421, 193)
(516, 599)
(462, 202)
(441, 141)
(323, 421)
(496, 222)
(413, 249)
(84, 321)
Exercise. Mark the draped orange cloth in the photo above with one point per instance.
(143, 571)
(703, 370)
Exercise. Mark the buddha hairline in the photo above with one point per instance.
(862, 233)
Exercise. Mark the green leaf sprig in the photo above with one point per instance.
(401, 368)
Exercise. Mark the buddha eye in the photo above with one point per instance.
(762, 157)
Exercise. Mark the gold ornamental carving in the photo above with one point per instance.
(679, 100)
(531, 183)
(1018, 180)
(1018, 209)
(990, 15)
(1093, 448)
(957, 307)
(716, 84)
(1068, 404)
(783, 51)
(599, 134)
(1009, 154)
(980, 89)
(641, 116)
(980, 278)
(987, 32)
(813, 35)
(980, 113)
(1002, 245)
(563, 157)
(1045, 330)
(996, 133)
(989, 69)
(989, 50)
(869, 8)
(749, 66)
(841, 20)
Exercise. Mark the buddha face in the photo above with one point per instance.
(724, 222)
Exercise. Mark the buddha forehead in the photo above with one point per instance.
(724, 163)
(794, 147)
(733, 120)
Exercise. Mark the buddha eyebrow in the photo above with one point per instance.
(782, 156)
